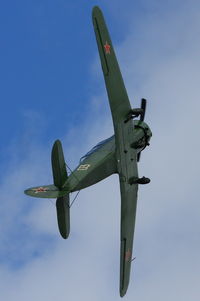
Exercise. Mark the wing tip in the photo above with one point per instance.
(97, 13)
(96, 9)
(123, 290)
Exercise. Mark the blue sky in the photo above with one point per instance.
(52, 87)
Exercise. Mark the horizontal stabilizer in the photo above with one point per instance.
(63, 215)
(48, 191)
(58, 165)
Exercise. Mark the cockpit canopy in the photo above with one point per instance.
(96, 147)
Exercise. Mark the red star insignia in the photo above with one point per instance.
(128, 255)
(40, 189)
(107, 48)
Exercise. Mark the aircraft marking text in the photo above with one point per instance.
(84, 167)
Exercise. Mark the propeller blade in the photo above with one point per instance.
(138, 156)
(143, 107)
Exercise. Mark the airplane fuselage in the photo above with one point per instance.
(100, 162)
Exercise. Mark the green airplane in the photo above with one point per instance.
(117, 154)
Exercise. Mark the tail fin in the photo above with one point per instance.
(56, 190)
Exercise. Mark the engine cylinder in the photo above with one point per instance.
(142, 135)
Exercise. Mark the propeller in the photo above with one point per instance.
(142, 115)
(143, 107)
(138, 156)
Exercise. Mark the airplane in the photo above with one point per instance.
(118, 154)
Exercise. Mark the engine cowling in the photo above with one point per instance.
(142, 135)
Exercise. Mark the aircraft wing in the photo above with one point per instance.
(128, 215)
(125, 155)
(127, 169)
(118, 98)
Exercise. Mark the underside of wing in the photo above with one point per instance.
(128, 176)
(118, 98)
(125, 154)
(128, 214)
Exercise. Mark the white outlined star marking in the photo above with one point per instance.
(40, 189)
(107, 48)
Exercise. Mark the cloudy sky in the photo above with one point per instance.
(52, 87)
